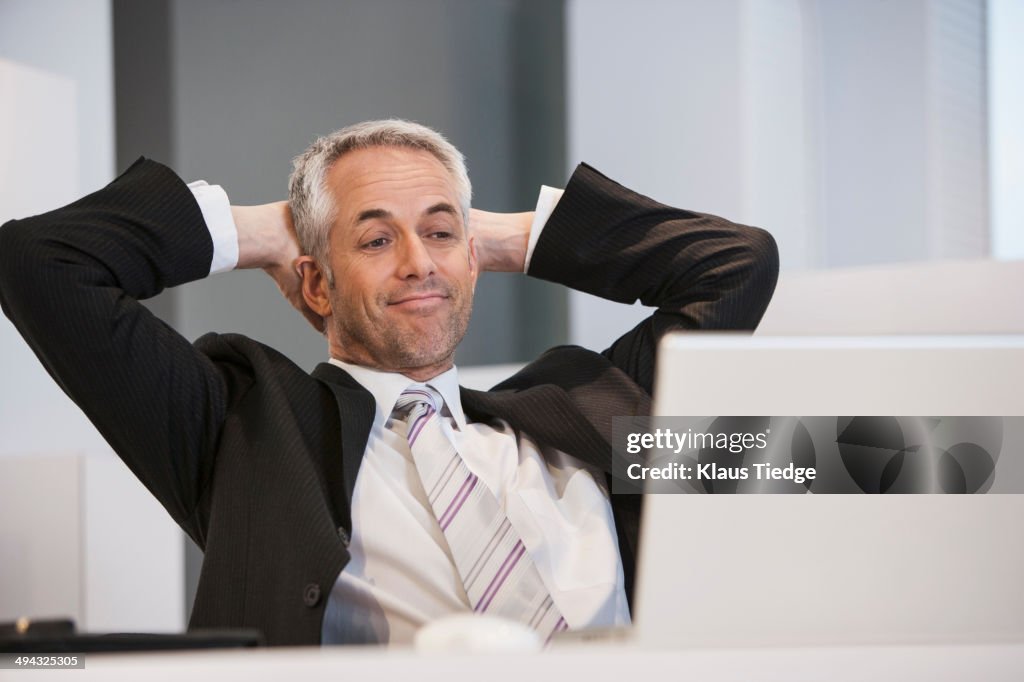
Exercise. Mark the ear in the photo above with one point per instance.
(314, 285)
(474, 262)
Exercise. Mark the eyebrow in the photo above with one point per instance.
(442, 207)
(381, 214)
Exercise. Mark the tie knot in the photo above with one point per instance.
(418, 395)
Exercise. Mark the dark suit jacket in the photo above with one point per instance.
(256, 459)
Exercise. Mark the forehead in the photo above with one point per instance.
(396, 179)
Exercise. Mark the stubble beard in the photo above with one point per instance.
(392, 346)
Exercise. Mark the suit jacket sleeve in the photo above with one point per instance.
(71, 281)
(700, 271)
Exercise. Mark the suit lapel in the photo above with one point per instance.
(565, 399)
(544, 412)
(355, 409)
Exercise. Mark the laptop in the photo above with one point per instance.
(814, 569)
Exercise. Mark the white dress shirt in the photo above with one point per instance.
(401, 575)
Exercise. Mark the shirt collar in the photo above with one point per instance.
(386, 387)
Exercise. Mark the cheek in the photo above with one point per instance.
(361, 285)
(457, 270)
(366, 302)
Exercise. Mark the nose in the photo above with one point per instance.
(415, 259)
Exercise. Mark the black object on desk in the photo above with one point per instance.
(58, 636)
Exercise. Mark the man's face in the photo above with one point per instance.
(404, 267)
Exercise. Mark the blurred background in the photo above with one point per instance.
(877, 134)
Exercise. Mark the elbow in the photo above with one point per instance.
(14, 245)
(23, 265)
(764, 259)
(761, 274)
(11, 239)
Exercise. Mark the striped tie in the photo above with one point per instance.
(499, 576)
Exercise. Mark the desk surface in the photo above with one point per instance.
(593, 662)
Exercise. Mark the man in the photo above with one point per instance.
(357, 504)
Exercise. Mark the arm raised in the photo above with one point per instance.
(700, 271)
(71, 280)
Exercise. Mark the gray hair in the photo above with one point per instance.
(313, 209)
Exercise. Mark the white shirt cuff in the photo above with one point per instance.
(213, 202)
(546, 202)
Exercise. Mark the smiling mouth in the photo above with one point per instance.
(424, 298)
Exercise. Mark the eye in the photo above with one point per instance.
(378, 243)
(441, 234)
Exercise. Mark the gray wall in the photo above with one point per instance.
(229, 92)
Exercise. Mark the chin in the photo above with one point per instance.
(417, 358)
(404, 346)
